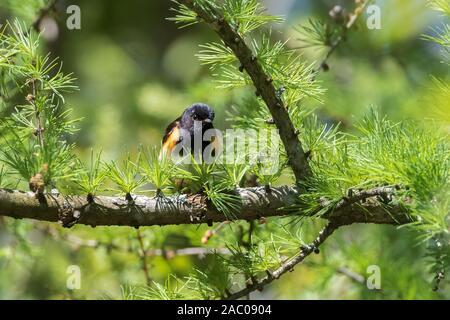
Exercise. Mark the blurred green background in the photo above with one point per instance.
(137, 72)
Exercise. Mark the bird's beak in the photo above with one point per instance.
(207, 121)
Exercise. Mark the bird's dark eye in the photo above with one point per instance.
(194, 116)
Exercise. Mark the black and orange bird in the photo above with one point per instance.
(181, 134)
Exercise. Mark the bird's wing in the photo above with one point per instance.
(171, 137)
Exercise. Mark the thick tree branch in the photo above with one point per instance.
(264, 86)
(144, 211)
(189, 209)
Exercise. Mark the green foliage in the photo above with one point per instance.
(217, 182)
(90, 180)
(263, 170)
(213, 281)
(215, 54)
(3, 177)
(260, 256)
(404, 153)
(385, 153)
(26, 10)
(223, 199)
(286, 69)
(442, 35)
(201, 173)
(158, 169)
(243, 15)
(35, 134)
(246, 15)
(172, 289)
(439, 258)
(184, 16)
(319, 137)
(235, 173)
(250, 113)
(289, 238)
(440, 5)
(438, 100)
(125, 175)
(130, 292)
(316, 34)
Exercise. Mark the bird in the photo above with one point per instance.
(185, 135)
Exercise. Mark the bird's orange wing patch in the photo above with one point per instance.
(171, 138)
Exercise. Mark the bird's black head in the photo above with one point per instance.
(197, 112)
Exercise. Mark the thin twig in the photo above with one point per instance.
(211, 232)
(194, 251)
(345, 271)
(353, 17)
(288, 265)
(42, 14)
(39, 130)
(143, 256)
(78, 243)
(356, 277)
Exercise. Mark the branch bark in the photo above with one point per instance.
(264, 86)
(189, 209)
